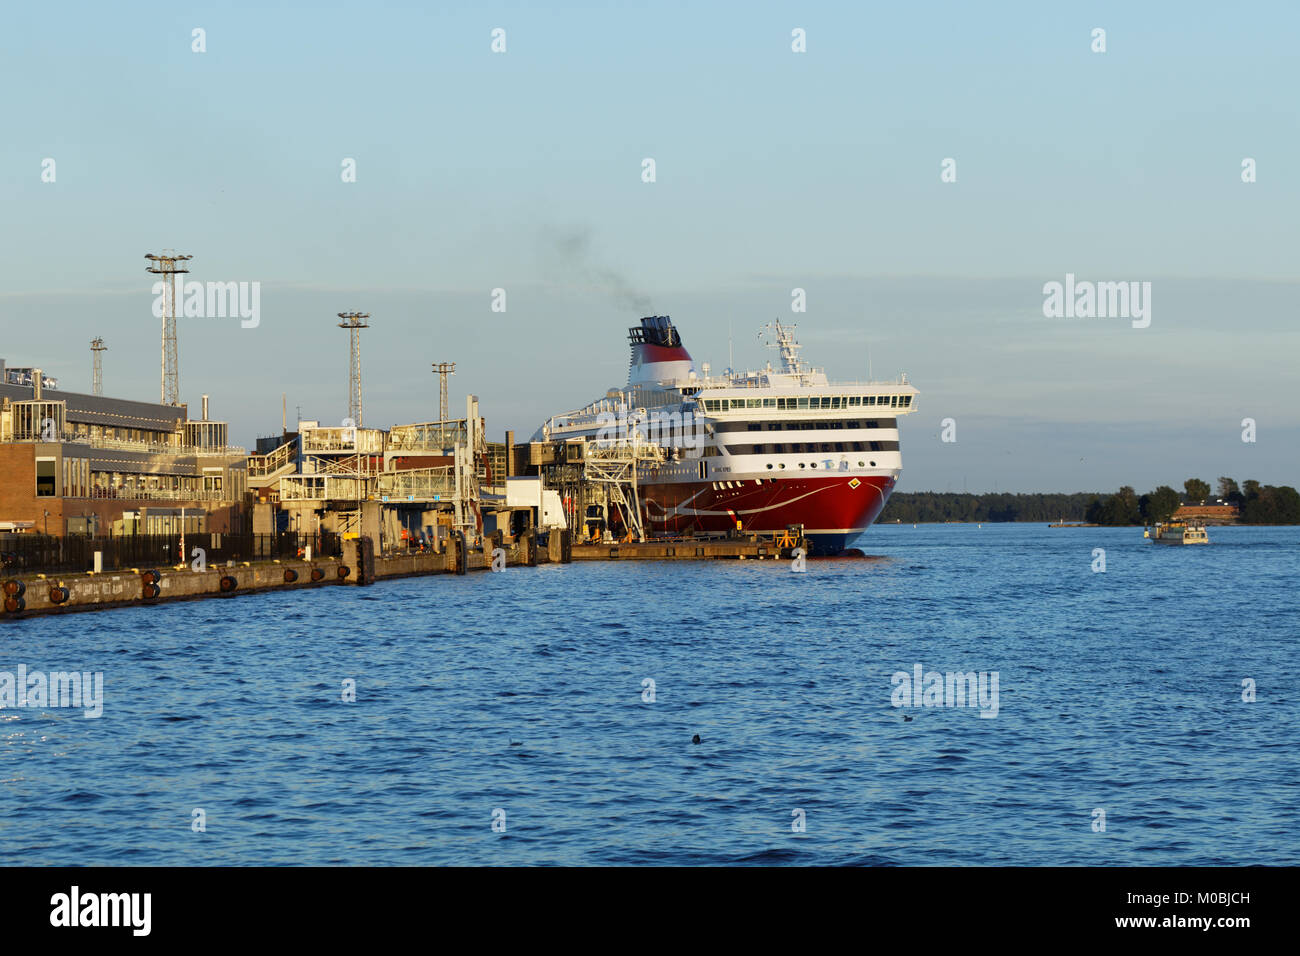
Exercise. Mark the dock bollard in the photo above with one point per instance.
(566, 546)
(359, 557)
(462, 553)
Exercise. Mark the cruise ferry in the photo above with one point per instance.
(758, 450)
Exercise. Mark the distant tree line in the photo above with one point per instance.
(1256, 503)
(1267, 504)
(932, 506)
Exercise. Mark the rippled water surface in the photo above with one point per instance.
(522, 691)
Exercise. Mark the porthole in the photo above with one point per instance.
(814, 464)
(873, 464)
(861, 465)
(782, 465)
(769, 466)
(802, 465)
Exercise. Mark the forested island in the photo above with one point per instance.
(1254, 504)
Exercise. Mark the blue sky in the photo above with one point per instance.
(775, 170)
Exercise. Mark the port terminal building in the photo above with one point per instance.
(76, 464)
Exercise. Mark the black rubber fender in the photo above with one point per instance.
(59, 595)
(290, 575)
(228, 583)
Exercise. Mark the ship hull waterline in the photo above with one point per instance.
(833, 510)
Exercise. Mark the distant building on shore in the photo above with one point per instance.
(1219, 513)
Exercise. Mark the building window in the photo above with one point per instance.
(46, 476)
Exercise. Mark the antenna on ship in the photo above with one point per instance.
(785, 343)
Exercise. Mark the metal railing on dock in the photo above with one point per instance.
(42, 554)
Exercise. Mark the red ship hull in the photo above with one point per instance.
(834, 510)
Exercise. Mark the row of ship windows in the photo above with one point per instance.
(806, 425)
(725, 485)
(793, 403)
(792, 448)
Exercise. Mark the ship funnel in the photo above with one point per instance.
(657, 353)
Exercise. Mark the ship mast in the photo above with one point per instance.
(786, 344)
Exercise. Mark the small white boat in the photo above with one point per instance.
(1178, 532)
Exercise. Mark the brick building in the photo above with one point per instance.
(1218, 513)
(86, 464)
